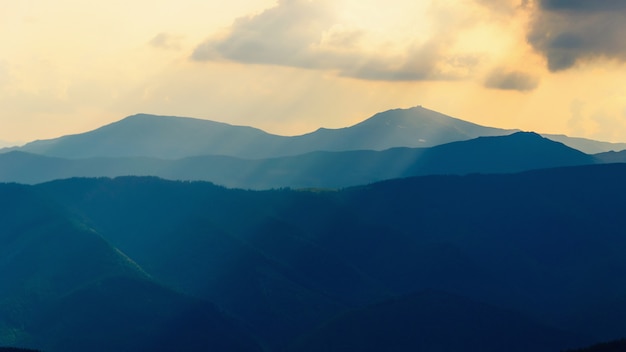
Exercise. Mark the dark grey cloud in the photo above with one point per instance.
(511, 80)
(567, 32)
(583, 5)
(304, 33)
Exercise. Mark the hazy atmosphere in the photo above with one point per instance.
(291, 66)
(313, 175)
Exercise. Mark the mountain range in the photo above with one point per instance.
(541, 252)
(392, 144)
(409, 231)
(5, 144)
(168, 137)
(513, 153)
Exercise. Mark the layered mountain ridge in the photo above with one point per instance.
(513, 153)
(409, 231)
(294, 265)
(171, 137)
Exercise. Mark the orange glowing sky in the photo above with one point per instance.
(291, 66)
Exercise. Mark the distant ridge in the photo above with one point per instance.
(157, 136)
(612, 157)
(502, 154)
(414, 127)
(172, 137)
(5, 144)
(586, 145)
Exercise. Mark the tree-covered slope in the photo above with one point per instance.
(546, 243)
(65, 288)
(433, 321)
(612, 346)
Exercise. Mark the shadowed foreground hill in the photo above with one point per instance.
(613, 346)
(502, 154)
(424, 322)
(64, 288)
(124, 314)
(548, 244)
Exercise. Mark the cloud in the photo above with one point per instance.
(307, 34)
(511, 80)
(584, 5)
(568, 32)
(279, 35)
(166, 41)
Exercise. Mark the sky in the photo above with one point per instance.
(292, 66)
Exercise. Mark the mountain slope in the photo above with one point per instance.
(171, 137)
(414, 127)
(159, 136)
(64, 288)
(547, 243)
(188, 235)
(613, 346)
(611, 157)
(588, 146)
(433, 321)
(517, 152)
(5, 144)
(175, 137)
(124, 314)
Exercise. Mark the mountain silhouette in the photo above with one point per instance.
(171, 137)
(5, 144)
(414, 127)
(159, 136)
(517, 152)
(586, 145)
(611, 157)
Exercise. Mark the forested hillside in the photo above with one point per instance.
(544, 246)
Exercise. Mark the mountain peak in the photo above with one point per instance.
(419, 117)
(151, 118)
(171, 137)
